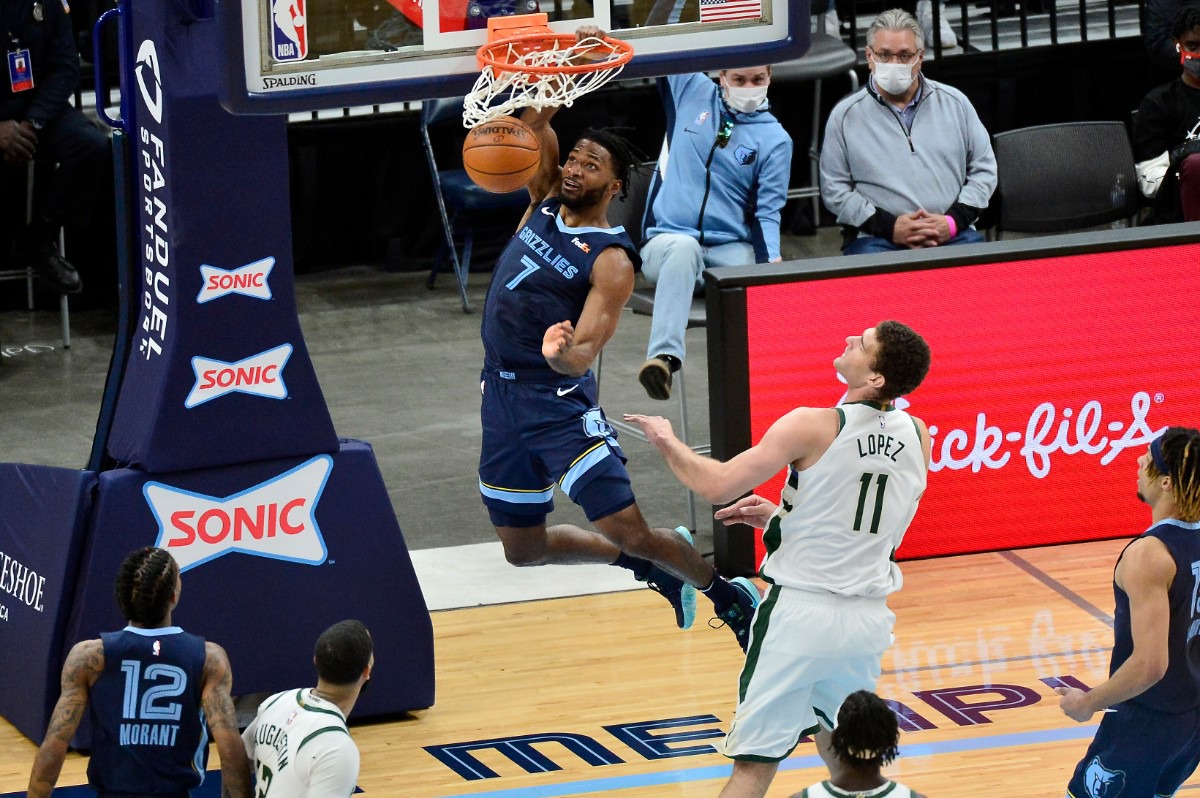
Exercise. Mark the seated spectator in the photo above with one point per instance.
(906, 161)
(1158, 33)
(1166, 132)
(724, 188)
(39, 122)
(866, 739)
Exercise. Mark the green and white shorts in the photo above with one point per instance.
(808, 651)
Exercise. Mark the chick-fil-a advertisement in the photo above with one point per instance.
(1049, 378)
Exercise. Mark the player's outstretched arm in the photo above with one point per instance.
(571, 350)
(789, 440)
(1145, 573)
(548, 179)
(216, 697)
(84, 665)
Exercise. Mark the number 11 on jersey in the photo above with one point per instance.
(880, 486)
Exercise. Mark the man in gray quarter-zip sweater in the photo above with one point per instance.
(906, 162)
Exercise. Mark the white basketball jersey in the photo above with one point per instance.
(299, 747)
(825, 789)
(841, 520)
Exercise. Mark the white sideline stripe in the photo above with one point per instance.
(478, 575)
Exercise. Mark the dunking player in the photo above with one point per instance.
(151, 690)
(855, 475)
(556, 296)
(298, 743)
(1148, 741)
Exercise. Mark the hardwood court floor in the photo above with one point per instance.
(606, 674)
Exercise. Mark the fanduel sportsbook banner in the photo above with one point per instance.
(1049, 378)
(218, 372)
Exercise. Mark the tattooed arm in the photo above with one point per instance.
(217, 697)
(84, 665)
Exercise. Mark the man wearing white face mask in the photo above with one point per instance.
(1166, 132)
(719, 204)
(906, 162)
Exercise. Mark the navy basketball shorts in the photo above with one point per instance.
(1137, 753)
(537, 435)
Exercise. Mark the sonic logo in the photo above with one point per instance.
(249, 280)
(274, 519)
(258, 375)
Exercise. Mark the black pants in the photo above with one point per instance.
(83, 153)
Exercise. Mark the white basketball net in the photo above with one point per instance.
(538, 90)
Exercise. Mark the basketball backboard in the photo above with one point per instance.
(295, 55)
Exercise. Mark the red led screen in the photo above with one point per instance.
(1048, 378)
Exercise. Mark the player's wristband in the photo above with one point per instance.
(953, 227)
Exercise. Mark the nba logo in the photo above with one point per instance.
(289, 30)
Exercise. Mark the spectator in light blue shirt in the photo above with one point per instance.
(725, 185)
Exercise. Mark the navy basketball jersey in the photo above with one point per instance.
(1179, 688)
(541, 278)
(148, 730)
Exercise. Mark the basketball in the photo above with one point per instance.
(501, 155)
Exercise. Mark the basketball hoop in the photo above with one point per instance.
(538, 67)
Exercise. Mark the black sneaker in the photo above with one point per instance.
(655, 377)
(56, 270)
(740, 615)
(681, 595)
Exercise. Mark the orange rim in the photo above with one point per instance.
(496, 54)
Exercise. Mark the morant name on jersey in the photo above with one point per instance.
(546, 252)
(148, 733)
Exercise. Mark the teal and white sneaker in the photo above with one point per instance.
(681, 595)
(740, 615)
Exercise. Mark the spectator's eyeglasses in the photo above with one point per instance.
(725, 132)
(903, 57)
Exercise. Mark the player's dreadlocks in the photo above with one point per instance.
(1180, 448)
(145, 584)
(624, 154)
(867, 735)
